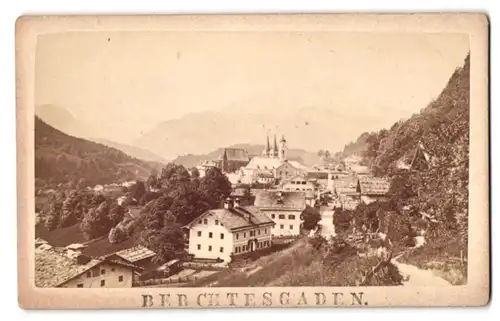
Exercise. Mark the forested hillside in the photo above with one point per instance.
(442, 129)
(355, 147)
(60, 158)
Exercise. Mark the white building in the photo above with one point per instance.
(298, 183)
(234, 229)
(284, 208)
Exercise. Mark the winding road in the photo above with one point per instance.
(414, 276)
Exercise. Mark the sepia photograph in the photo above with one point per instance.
(191, 159)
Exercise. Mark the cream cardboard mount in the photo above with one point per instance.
(295, 160)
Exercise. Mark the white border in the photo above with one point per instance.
(12, 10)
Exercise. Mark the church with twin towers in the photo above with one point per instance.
(276, 151)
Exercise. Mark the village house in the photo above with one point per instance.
(284, 208)
(139, 256)
(298, 183)
(345, 190)
(373, 189)
(232, 159)
(233, 230)
(265, 178)
(55, 267)
(204, 167)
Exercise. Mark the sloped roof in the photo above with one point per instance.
(135, 253)
(53, 268)
(240, 191)
(289, 200)
(237, 217)
(259, 162)
(235, 154)
(264, 174)
(374, 185)
(345, 185)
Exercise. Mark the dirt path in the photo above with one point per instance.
(413, 276)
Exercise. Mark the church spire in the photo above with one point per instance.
(267, 151)
(275, 147)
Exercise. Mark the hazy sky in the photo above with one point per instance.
(123, 83)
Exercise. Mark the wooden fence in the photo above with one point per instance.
(171, 280)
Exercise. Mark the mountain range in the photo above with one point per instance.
(310, 128)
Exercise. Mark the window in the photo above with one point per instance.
(291, 217)
(216, 222)
(221, 236)
(112, 269)
(258, 231)
(237, 249)
(199, 222)
(120, 278)
(265, 230)
(79, 285)
(210, 234)
(222, 250)
(103, 271)
(205, 221)
(237, 235)
(199, 246)
(103, 282)
(89, 274)
(291, 227)
(273, 216)
(282, 226)
(199, 233)
(282, 216)
(210, 248)
(244, 235)
(252, 233)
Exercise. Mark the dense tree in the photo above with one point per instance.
(152, 182)
(117, 235)
(138, 190)
(116, 214)
(247, 198)
(342, 219)
(311, 217)
(149, 196)
(172, 177)
(95, 222)
(168, 243)
(195, 173)
(54, 213)
(71, 210)
(214, 187)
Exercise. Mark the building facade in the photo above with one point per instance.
(284, 208)
(232, 159)
(219, 234)
(56, 267)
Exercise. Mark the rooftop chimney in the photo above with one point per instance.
(228, 203)
(81, 259)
